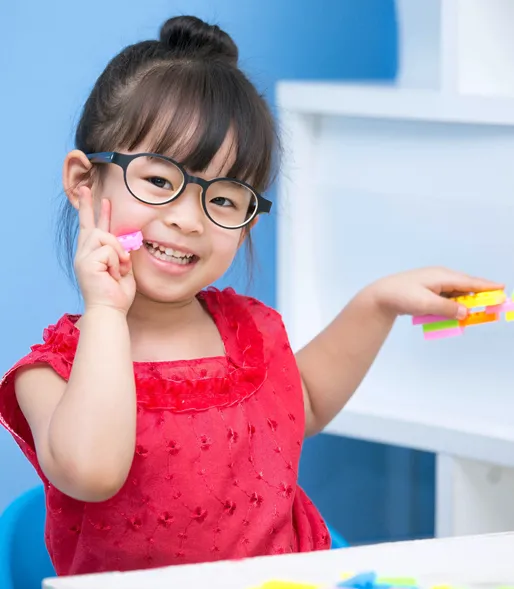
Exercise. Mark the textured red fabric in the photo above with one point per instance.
(215, 469)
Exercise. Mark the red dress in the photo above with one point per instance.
(216, 463)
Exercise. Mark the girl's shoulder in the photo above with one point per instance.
(242, 311)
(57, 350)
(255, 341)
(233, 312)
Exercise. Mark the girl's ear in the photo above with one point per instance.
(245, 233)
(75, 173)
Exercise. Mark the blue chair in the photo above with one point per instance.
(337, 540)
(24, 560)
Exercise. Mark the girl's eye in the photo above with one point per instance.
(221, 201)
(160, 182)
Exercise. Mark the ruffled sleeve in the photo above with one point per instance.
(57, 351)
(268, 321)
(249, 317)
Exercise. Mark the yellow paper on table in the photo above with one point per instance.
(286, 585)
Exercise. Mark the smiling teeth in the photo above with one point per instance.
(168, 254)
(171, 252)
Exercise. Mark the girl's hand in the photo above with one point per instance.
(103, 267)
(427, 291)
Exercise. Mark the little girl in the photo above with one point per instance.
(167, 421)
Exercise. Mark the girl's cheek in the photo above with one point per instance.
(126, 218)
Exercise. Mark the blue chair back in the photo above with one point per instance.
(24, 559)
(337, 540)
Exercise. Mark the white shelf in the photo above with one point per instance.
(430, 433)
(380, 178)
(430, 418)
(406, 182)
(392, 102)
(457, 46)
(364, 196)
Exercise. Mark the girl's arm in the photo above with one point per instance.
(84, 430)
(334, 363)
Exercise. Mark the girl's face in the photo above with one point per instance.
(184, 251)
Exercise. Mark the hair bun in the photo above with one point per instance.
(189, 36)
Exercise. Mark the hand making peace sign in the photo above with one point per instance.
(103, 267)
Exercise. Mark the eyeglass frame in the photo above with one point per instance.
(123, 160)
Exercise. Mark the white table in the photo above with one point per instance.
(471, 562)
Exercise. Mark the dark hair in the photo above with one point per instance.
(181, 95)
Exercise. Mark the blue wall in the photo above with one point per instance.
(50, 54)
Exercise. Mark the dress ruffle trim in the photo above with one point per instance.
(184, 385)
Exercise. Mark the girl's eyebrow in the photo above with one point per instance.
(156, 158)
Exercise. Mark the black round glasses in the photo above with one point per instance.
(157, 180)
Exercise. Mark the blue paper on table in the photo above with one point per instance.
(360, 581)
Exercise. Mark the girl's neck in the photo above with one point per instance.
(155, 317)
(163, 332)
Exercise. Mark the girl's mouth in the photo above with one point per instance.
(168, 254)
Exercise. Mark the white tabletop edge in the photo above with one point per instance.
(473, 562)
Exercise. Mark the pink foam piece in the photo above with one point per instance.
(504, 307)
(424, 319)
(131, 241)
(442, 333)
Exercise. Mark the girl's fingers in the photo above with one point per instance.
(98, 238)
(86, 212)
(126, 267)
(456, 284)
(109, 259)
(95, 242)
(461, 283)
(104, 220)
(440, 305)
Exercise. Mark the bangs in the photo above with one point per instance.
(187, 110)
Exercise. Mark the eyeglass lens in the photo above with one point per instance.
(155, 181)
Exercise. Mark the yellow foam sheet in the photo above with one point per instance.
(285, 585)
(397, 582)
(482, 299)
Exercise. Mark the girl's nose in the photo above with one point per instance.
(186, 211)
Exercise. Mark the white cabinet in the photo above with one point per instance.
(383, 178)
